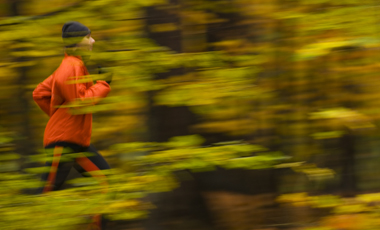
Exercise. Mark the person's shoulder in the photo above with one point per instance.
(70, 66)
(73, 61)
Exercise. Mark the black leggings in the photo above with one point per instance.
(86, 159)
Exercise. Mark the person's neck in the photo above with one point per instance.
(83, 55)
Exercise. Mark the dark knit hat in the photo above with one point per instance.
(73, 32)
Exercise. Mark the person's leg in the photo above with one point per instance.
(95, 158)
(93, 165)
(58, 169)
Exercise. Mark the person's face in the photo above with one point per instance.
(86, 43)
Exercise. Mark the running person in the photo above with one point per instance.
(66, 130)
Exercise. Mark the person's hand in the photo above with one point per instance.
(106, 74)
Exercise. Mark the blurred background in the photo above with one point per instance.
(224, 114)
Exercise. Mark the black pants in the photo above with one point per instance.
(86, 159)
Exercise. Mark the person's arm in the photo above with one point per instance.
(42, 95)
(77, 90)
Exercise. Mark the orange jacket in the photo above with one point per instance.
(66, 86)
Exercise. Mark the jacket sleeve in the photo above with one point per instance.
(78, 90)
(42, 95)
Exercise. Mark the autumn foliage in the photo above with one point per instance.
(282, 85)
